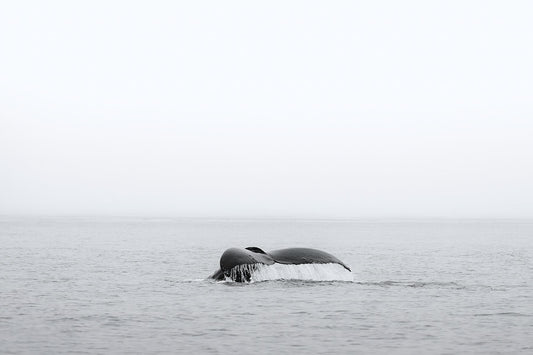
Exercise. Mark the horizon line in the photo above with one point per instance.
(256, 217)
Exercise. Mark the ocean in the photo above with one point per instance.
(102, 285)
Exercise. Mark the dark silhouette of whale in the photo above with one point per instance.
(238, 264)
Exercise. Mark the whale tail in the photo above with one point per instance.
(241, 264)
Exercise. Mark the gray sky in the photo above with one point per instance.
(275, 108)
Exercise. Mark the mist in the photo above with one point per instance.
(278, 109)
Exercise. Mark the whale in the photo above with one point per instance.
(238, 264)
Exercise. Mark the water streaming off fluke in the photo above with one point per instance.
(308, 272)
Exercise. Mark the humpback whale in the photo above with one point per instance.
(238, 264)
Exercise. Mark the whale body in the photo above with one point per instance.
(238, 264)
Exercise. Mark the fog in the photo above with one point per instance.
(267, 109)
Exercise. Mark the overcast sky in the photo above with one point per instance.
(273, 108)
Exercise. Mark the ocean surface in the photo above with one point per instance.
(139, 285)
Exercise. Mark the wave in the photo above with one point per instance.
(510, 314)
(414, 284)
(306, 272)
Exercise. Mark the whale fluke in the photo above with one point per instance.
(239, 264)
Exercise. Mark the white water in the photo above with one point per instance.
(307, 272)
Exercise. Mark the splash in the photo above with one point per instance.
(308, 272)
